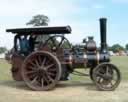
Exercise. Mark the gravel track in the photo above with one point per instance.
(11, 91)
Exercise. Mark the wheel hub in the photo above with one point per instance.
(107, 76)
(41, 72)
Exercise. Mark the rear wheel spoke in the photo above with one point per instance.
(34, 80)
(31, 76)
(52, 70)
(46, 80)
(49, 66)
(33, 64)
(30, 72)
(32, 68)
(44, 60)
(51, 74)
(50, 78)
(39, 59)
(42, 82)
(37, 63)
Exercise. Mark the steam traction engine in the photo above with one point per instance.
(42, 64)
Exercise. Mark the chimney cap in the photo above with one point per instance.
(103, 18)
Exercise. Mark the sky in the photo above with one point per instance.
(82, 15)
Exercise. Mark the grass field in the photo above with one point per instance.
(121, 62)
(78, 89)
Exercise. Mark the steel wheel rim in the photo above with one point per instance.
(39, 74)
(104, 82)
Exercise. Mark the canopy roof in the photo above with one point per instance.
(41, 30)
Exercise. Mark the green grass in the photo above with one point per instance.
(120, 61)
(5, 70)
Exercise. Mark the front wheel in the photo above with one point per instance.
(106, 76)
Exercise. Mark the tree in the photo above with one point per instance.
(117, 48)
(3, 49)
(110, 48)
(40, 20)
(126, 46)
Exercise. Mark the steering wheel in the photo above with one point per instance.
(56, 42)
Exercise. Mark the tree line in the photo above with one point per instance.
(117, 48)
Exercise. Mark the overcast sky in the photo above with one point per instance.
(82, 15)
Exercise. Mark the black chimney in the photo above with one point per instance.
(103, 27)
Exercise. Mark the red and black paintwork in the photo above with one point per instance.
(41, 66)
